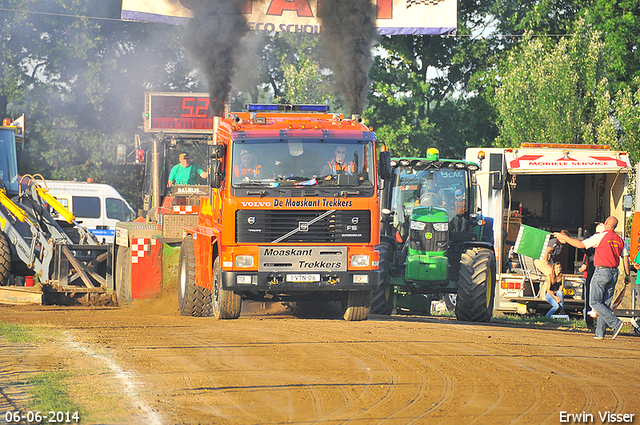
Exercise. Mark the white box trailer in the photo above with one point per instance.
(550, 187)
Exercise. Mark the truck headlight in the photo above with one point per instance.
(244, 261)
(418, 225)
(360, 260)
(441, 227)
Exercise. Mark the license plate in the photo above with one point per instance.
(303, 278)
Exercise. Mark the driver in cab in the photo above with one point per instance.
(430, 196)
(247, 167)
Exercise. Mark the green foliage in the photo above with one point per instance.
(619, 23)
(627, 106)
(302, 83)
(80, 84)
(555, 93)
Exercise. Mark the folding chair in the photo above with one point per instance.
(532, 274)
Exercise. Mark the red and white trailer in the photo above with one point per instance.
(551, 187)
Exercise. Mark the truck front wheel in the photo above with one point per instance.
(476, 282)
(226, 304)
(357, 305)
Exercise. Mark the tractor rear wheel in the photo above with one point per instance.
(123, 276)
(474, 302)
(226, 304)
(357, 305)
(5, 260)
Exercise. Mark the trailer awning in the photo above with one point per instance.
(523, 161)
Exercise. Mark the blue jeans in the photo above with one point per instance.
(555, 305)
(603, 285)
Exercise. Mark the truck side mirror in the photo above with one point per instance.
(217, 152)
(496, 180)
(627, 203)
(495, 168)
(384, 165)
(216, 173)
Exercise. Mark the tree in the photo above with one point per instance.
(424, 91)
(555, 93)
(80, 82)
(619, 23)
(627, 106)
(283, 67)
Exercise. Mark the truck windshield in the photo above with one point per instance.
(302, 162)
(443, 188)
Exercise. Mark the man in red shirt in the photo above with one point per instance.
(609, 248)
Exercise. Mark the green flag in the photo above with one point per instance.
(531, 242)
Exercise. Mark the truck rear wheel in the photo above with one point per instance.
(357, 306)
(5, 260)
(474, 302)
(226, 304)
(193, 300)
(123, 276)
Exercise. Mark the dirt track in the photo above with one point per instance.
(147, 364)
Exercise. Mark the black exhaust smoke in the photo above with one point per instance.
(348, 34)
(212, 38)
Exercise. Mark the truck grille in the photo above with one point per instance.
(428, 240)
(292, 226)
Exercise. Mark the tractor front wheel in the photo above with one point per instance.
(474, 302)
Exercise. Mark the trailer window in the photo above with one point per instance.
(118, 210)
(86, 206)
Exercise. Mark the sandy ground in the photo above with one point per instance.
(147, 364)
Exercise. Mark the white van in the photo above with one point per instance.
(98, 207)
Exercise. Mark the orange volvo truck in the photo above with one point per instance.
(293, 214)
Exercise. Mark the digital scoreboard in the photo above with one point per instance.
(177, 112)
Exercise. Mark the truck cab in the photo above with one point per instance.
(282, 222)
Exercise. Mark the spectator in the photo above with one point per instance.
(555, 289)
(609, 249)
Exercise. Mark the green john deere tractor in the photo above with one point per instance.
(434, 242)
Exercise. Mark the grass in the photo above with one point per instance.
(50, 395)
(20, 334)
(47, 389)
